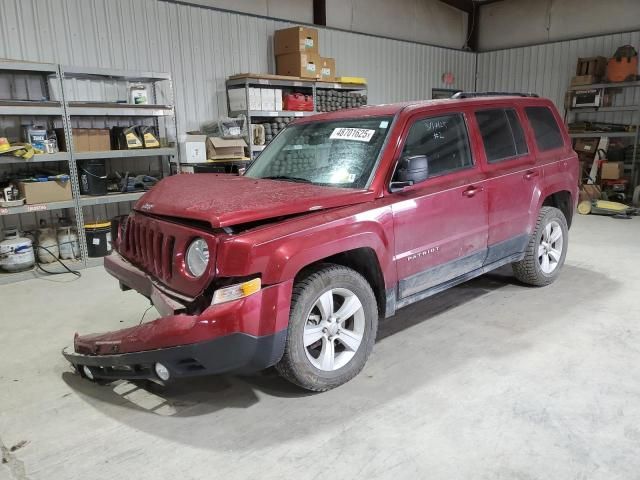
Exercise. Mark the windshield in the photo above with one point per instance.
(341, 153)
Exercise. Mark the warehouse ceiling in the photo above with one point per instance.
(472, 7)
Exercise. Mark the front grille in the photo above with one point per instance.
(156, 246)
(147, 246)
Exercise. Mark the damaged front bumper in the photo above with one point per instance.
(237, 336)
(236, 352)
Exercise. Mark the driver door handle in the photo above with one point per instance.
(471, 191)
(531, 174)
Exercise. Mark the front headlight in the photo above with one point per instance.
(197, 257)
(237, 291)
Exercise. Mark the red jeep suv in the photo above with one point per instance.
(343, 219)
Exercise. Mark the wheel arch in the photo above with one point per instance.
(562, 200)
(363, 260)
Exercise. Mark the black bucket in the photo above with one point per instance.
(98, 239)
(93, 177)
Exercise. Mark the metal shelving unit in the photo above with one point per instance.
(252, 80)
(143, 152)
(38, 207)
(602, 134)
(102, 109)
(91, 109)
(8, 107)
(44, 157)
(64, 112)
(88, 200)
(634, 109)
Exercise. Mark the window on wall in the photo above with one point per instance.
(545, 127)
(502, 134)
(443, 140)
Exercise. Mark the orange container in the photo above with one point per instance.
(624, 65)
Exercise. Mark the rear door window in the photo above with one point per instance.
(545, 128)
(443, 140)
(502, 134)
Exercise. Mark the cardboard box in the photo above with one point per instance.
(225, 148)
(612, 170)
(278, 97)
(267, 99)
(589, 192)
(80, 140)
(193, 148)
(295, 40)
(255, 98)
(584, 80)
(86, 139)
(238, 99)
(327, 69)
(305, 65)
(45, 192)
(99, 139)
(586, 145)
(594, 66)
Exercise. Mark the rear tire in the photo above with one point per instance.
(546, 250)
(332, 328)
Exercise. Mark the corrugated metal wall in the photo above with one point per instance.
(547, 69)
(201, 47)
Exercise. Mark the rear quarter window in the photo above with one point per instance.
(545, 128)
(501, 133)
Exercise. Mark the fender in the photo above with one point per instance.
(559, 176)
(278, 252)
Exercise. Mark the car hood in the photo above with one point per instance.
(226, 200)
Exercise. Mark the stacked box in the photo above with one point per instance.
(297, 55)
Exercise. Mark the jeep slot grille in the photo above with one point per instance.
(150, 248)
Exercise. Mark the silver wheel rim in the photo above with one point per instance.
(334, 329)
(550, 247)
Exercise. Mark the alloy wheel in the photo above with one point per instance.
(334, 329)
(550, 247)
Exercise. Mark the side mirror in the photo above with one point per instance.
(411, 170)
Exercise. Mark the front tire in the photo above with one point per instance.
(546, 250)
(332, 328)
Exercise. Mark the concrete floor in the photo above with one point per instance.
(489, 380)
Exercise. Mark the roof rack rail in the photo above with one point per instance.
(492, 94)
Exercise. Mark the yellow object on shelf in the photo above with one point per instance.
(4, 144)
(356, 80)
(97, 225)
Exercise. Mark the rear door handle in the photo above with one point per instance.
(531, 174)
(471, 191)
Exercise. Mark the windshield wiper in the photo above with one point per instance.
(285, 177)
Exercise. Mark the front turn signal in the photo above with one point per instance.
(237, 291)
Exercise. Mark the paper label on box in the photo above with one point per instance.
(311, 67)
(357, 134)
(326, 72)
(308, 42)
(96, 241)
(36, 208)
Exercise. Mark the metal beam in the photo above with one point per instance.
(464, 5)
(473, 27)
(320, 12)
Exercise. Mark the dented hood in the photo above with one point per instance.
(226, 200)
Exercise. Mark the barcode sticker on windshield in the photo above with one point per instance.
(358, 134)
